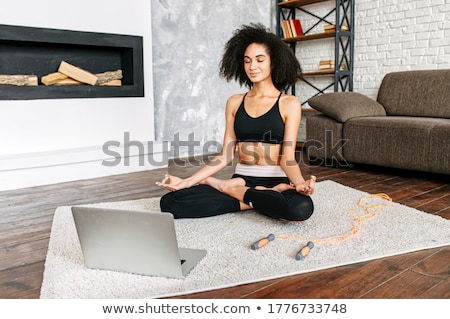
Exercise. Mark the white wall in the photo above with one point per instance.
(398, 36)
(389, 36)
(48, 141)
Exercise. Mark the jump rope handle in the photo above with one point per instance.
(263, 241)
(304, 251)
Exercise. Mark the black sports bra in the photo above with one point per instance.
(267, 128)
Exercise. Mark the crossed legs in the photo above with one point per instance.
(277, 199)
(236, 188)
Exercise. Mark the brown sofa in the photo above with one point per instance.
(407, 127)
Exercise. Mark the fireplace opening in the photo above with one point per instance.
(40, 51)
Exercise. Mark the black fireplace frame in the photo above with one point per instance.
(39, 51)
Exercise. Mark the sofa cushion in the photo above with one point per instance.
(343, 106)
(393, 141)
(416, 93)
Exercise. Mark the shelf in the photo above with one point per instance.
(312, 73)
(298, 3)
(307, 37)
(39, 51)
(326, 72)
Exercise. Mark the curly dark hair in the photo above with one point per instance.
(286, 69)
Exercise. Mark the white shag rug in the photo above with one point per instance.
(227, 238)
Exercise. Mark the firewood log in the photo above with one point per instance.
(109, 76)
(18, 80)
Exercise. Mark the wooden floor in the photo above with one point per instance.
(26, 217)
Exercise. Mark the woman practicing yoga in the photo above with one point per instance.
(262, 125)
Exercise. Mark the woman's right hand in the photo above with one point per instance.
(173, 183)
(307, 188)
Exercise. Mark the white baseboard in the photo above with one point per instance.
(35, 169)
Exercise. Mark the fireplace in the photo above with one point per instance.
(39, 51)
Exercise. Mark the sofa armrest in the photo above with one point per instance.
(342, 106)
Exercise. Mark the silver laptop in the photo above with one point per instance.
(136, 242)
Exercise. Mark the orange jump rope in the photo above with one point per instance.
(371, 211)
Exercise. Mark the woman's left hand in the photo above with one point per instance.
(173, 183)
(306, 188)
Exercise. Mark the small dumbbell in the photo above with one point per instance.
(262, 242)
(304, 251)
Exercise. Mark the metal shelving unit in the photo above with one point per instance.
(344, 12)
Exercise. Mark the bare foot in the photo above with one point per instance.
(223, 184)
(278, 188)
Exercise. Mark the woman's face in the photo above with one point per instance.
(257, 64)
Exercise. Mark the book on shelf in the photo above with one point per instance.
(296, 27)
(286, 29)
(326, 64)
(332, 28)
(292, 28)
(329, 66)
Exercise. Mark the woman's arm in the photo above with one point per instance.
(291, 110)
(219, 161)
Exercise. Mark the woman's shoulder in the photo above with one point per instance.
(235, 101)
(288, 101)
(236, 97)
(289, 107)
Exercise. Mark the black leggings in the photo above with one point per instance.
(205, 201)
